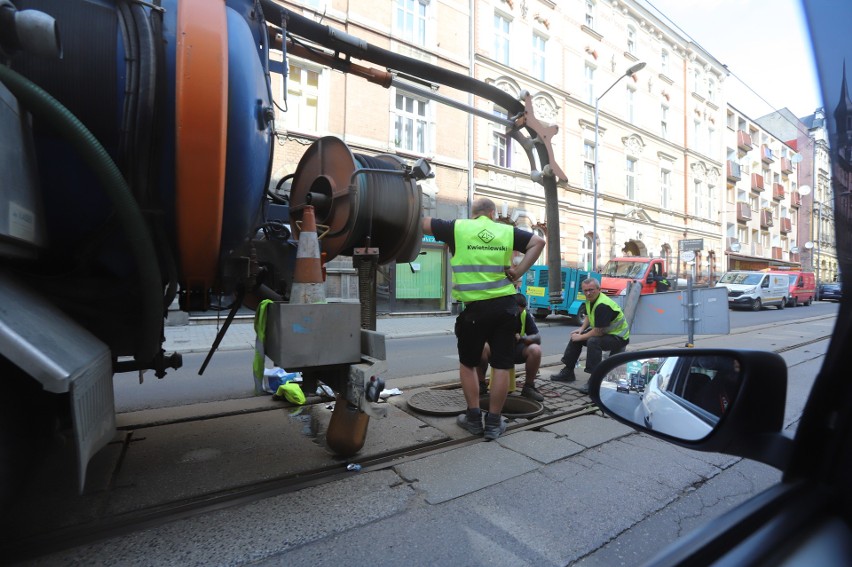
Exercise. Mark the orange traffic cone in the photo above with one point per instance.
(308, 286)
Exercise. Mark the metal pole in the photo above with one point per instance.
(634, 69)
(595, 205)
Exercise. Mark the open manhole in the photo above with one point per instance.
(451, 402)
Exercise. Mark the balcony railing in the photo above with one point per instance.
(795, 199)
(786, 165)
(786, 225)
(756, 182)
(766, 218)
(743, 140)
(777, 254)
(766, 154)
(734, 171)
(777, 191)
(743, 211)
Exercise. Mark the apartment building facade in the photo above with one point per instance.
(808, 135)
(661, 134)
(763, 199)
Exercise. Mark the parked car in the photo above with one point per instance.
(622, 386)
(832, 290)
(755, 290)
(806, 518)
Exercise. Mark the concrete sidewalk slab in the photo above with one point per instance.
(449, 475)
(590, 430)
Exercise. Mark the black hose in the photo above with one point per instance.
(41, 104)
(344, 43)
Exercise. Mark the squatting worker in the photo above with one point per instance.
(605, 329)
(527, 352)
(483, 277)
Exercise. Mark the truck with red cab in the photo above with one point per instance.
(618, 272)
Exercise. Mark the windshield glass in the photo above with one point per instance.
(741, 278)
(624, 269)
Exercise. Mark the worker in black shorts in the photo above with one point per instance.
(483, 279)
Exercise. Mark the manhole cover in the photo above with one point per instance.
(438, 402)
(451, 402)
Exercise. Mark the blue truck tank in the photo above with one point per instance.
(535, 288)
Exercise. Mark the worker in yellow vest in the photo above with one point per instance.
(605, 329)
(483, 279)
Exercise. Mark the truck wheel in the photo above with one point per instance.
(783, 304)
(809, 301)
(756, 305)
(541, 314)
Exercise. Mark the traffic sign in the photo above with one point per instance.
(694, 244)
(688, 256)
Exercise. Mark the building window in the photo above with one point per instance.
(586, 253)
(631, 105)
(696, 130)
(501, 144)
(664, 62)
(501, 39)
(711, 89)
(588, 165)
(712, 204)
(302, 99)
(664, 121)
(696, 80)
(411, 20)
(711, 141)
(411, 124)
(665, 188)
(539, 49)
(699, 199)
(590, 14)
(590, 84)
(630, 181)
(742, 235)
(631, 39)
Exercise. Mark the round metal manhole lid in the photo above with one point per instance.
(438, 402)
(452, 402)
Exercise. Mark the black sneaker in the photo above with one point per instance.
(494, 430)
(564, 375)
(532, 393)
(472, 427)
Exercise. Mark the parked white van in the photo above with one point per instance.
(754, 290)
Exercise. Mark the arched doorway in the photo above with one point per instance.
(634, 248)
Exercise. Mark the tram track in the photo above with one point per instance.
(125, 523)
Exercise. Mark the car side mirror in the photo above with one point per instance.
(728, 401)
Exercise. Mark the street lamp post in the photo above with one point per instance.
(634, 69)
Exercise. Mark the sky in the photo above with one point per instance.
(764, 43)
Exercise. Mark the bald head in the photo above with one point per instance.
(483, 206)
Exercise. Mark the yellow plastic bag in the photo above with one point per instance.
(291, 392)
